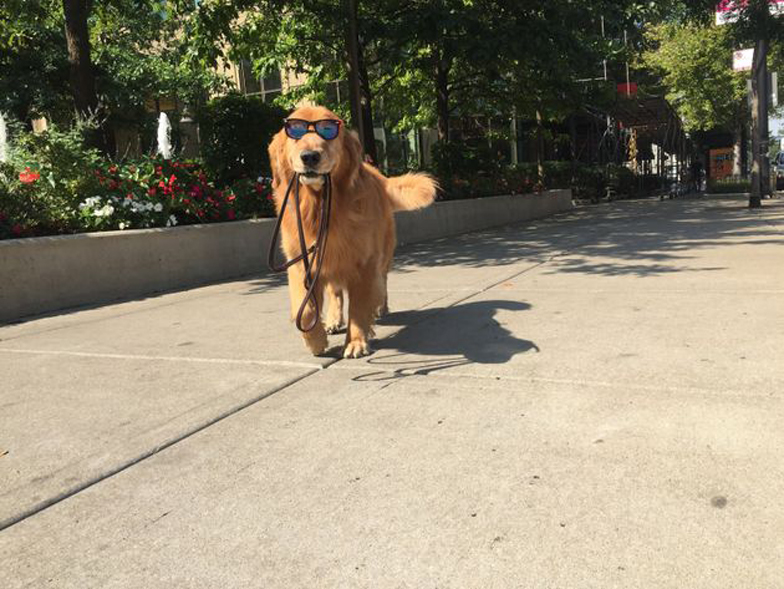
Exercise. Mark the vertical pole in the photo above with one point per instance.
(759, 117)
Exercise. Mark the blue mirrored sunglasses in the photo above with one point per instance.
(325, 128)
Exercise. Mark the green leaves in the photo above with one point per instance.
(695, 65)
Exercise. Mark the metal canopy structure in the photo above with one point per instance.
(655, 126)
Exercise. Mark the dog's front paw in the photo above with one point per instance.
(356, 349)
(316, 341)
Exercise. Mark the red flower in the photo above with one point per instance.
(231, 198)
(17, 229)
(231, 215)
(151, 191)
(113, 185)
(113, 170)
(28, 177)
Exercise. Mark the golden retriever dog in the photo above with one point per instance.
(361, 236)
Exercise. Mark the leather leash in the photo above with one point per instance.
(312, 257)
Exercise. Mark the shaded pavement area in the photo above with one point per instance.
(591, 400)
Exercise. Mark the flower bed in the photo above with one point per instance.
(141, 194)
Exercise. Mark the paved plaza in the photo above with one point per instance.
(593, 400)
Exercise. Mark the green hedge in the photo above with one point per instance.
(730, 185)
(235, 131)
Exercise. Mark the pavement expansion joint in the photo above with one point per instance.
(247, 362)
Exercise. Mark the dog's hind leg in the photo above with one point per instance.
(334, 320)
(316, 338)
(383, 308)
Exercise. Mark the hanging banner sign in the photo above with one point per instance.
(727, 10)
(743, 60)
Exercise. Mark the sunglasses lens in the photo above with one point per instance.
(327, 129)
(296, 129)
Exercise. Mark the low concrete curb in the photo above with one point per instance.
(44, 274)
(462, 216)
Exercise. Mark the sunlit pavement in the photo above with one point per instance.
(593, 400)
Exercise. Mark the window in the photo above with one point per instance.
(248, 83)
(269, 87)
(336, 94)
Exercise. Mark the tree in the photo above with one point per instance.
(133, 51)
(34, 75)
(694, 63)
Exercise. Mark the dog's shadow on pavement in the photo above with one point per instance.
(449, 337)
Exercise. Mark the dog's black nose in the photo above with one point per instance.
(310, 158)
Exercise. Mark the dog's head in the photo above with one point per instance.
(312, 149)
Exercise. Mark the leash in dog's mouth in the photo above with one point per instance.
(312, 257)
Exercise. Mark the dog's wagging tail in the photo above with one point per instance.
(358, 238)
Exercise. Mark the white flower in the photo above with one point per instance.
(122, 225)
(104, 211)
(158, 207)
(171, 221)
(150, 206)
(90, 202)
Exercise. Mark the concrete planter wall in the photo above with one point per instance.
(44, 274)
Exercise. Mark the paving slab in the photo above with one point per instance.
(343, 481)
(69, 421)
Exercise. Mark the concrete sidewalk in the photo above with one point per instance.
(588, 401)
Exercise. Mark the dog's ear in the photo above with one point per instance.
(350, 158)
(279, 163)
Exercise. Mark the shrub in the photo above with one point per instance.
(729, 185)
(48, 173)
(461, 160)
(154, 193)
(235, 132)
(588, 182)
(149, 192)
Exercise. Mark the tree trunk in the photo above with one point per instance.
(759, 114)
(77, 38)
(359, 86)
(442, 67)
